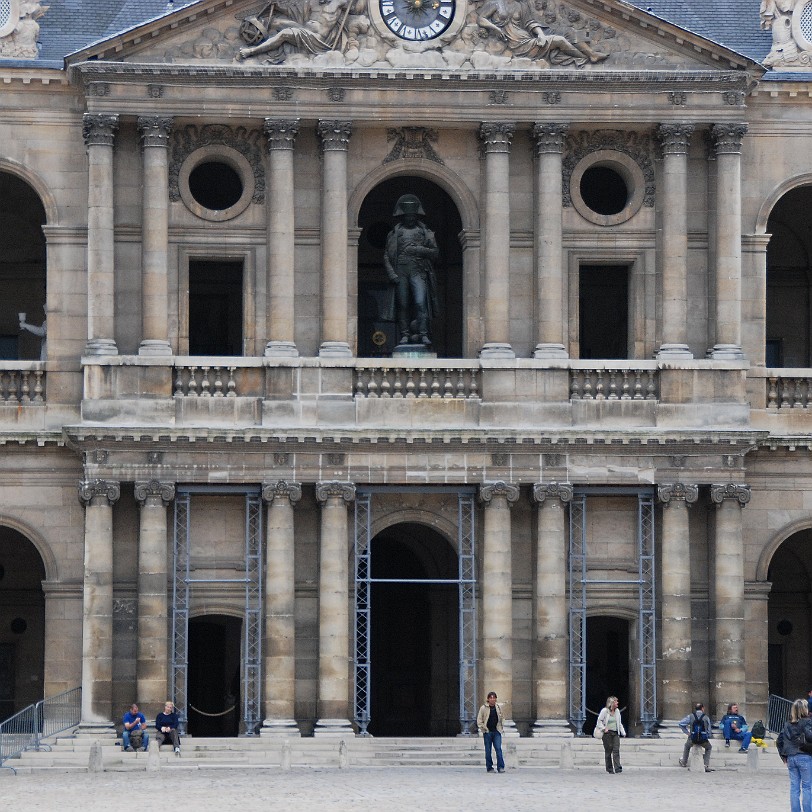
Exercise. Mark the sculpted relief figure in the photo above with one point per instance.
(18, 37)
(776, 16)
(517, 23)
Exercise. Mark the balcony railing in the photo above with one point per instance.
(614, 383)
(788, 390)
(426, 380)
(22, 383)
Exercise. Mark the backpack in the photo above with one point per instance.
(758, 730)
(698, 732)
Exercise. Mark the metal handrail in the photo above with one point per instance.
(778, 710)
(27, 729)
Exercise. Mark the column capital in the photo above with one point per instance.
(677, 491)
(281, 132)
(153, 490)
(496, 135)
(335, 490)
(675, 138)
(741, 493)
(334, 135)
(155, 130)
(92, 489)
(727, 138)
(550, 137)
(551, 490)
(282, 489)
(99, 129)
(489, 490)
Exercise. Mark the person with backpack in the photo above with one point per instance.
(794, 746)
(697, 727)
(734, 726)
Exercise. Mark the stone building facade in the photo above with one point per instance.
(223, 481)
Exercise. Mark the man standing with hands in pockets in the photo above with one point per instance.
(489, 723)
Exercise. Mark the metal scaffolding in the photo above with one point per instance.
(182, 583)
(466, 585)
(646, 599)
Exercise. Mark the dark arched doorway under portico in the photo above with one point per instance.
(414, 644)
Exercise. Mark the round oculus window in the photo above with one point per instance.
(216, 183)
(607, 187)
(604, 190)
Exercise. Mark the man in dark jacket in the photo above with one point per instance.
(697, 726)
(166, 724)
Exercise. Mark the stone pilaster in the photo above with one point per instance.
(99, 132)
(677, 633)
(549, 254)
(155, 235)
(728, 677)
(497, 596)
(673, 204)
(551, 660)
(279, 666)
(334, 612)
(152, 657)
(496, 138)
(281, 137)
(98, 496)
(334, 137)
(727, 140)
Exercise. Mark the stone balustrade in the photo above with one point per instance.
(788, 389)
(615, 382)
(22, 383)
(393, 380)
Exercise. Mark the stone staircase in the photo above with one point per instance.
(77, 754)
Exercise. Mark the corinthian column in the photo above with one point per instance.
(280, 628)
(496, 138)
(728, 678)
(552, 637)
(98, 496)
(153, 637)
(335, 138)
(334, 610)
(281, 135)
(677, 634)
(673, 205)
(99, 132)
(728, 146)
(497, 596)
(549, 271)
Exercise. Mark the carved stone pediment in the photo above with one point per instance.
(19, 29)
(421, 35)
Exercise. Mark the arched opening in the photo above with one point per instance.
(789, 279)
(214, 676)
(789, 612)
(22, 623)
(22, 268)
(377, 329)
(414, 641)
(607, 666)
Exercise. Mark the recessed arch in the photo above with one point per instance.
(777, 193)
(38, 540)
(769, 550)
(434, 521)
(37, 184)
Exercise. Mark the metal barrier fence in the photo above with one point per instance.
(26, 729)
(778, 710)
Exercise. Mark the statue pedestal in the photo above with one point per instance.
(416, 351)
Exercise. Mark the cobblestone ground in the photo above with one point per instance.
(392, 790)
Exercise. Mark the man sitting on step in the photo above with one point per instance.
(135, 730)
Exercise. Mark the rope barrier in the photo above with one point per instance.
(203, 713)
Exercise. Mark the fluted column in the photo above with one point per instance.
(152, 657)
(673, 204)
(727, 140)
(728, 677)
(335, 138)
(98, 496)
(677, 633)
(497, 595)
(155, 236)
(334, 609)
(99, 132)
(496, 138)
(549, 254)
(551, 659)
(279, 667)
(281, 136)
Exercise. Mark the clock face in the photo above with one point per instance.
(417, 20)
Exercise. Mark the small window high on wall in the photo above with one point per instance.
(215, 307)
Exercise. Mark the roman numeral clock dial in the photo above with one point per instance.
(417, 20)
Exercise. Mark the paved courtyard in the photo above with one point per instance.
(392, 790)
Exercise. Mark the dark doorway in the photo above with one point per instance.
(215, 308)
(414, 640)
(377, 337)
(214, 676)
(607, 667)
(603, 314)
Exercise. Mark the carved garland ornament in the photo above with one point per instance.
(412, 142)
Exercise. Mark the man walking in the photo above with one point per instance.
(489, 723)
(697, 727)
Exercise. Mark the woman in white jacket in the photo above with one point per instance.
(611, 729)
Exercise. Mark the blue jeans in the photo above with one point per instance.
(125, 738)
(744, 738)
(495, 739)
(800, 778)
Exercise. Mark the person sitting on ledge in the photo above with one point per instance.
(734, 726)
(135, 730)
(167, 724)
